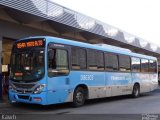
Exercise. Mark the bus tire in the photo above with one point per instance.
(78, 97)
(136, 91)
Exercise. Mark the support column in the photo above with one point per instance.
(1, 68)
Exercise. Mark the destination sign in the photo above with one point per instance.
(33, 43)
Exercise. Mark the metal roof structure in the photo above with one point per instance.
(64, 20)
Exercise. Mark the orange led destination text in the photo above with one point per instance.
(30, 44)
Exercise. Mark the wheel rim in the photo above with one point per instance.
(79, 97)
(136, 91)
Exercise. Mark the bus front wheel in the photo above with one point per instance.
(136, 91)
(78, 97)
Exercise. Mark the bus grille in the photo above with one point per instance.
(23, 97)
(23, 91)
(24, 86)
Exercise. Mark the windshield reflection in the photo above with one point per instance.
(27, 65)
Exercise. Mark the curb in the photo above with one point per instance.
(2, 105)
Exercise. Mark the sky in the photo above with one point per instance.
(137, 17)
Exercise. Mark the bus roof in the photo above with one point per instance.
(110, 48)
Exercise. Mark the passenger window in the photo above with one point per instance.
(100, 60)
(92, 59)
(152, 66)
(135, 64)
(111, 62)
(124, 63)
(78, 58)
(144, 65)
(57, 62)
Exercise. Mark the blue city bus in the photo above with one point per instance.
(48, 70)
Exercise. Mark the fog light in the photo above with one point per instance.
(37, 99)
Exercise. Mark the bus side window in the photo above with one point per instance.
(136, 64)
(124, 63)
(51, 59)
(144, 65)
(100, 60)
(92, 59)
(111, 62)
(57, 62)
(152, 66)
(78, 58)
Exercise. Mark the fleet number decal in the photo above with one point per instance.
(86, 77)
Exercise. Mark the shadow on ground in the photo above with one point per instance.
(65, 106)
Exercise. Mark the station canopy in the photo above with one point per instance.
(64, 20)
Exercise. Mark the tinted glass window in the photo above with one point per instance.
(78, 58)
(57, 62)
(152, 66)
(135, 64)
(27, 65)
(100, 60)
(124, 63)
(144, 65)
(111, 62)
(92, 59)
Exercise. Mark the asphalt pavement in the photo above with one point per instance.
(146, 107)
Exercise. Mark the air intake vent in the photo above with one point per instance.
(23, 97)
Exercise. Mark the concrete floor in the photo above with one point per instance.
(121, 107)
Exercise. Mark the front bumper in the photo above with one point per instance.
(28, 98)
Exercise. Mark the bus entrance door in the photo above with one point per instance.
(58, 72)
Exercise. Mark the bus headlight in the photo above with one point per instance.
(39, 89)
(12, 88)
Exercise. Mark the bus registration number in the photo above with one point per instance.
(86, 77)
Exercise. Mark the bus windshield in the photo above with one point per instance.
(27, 65)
